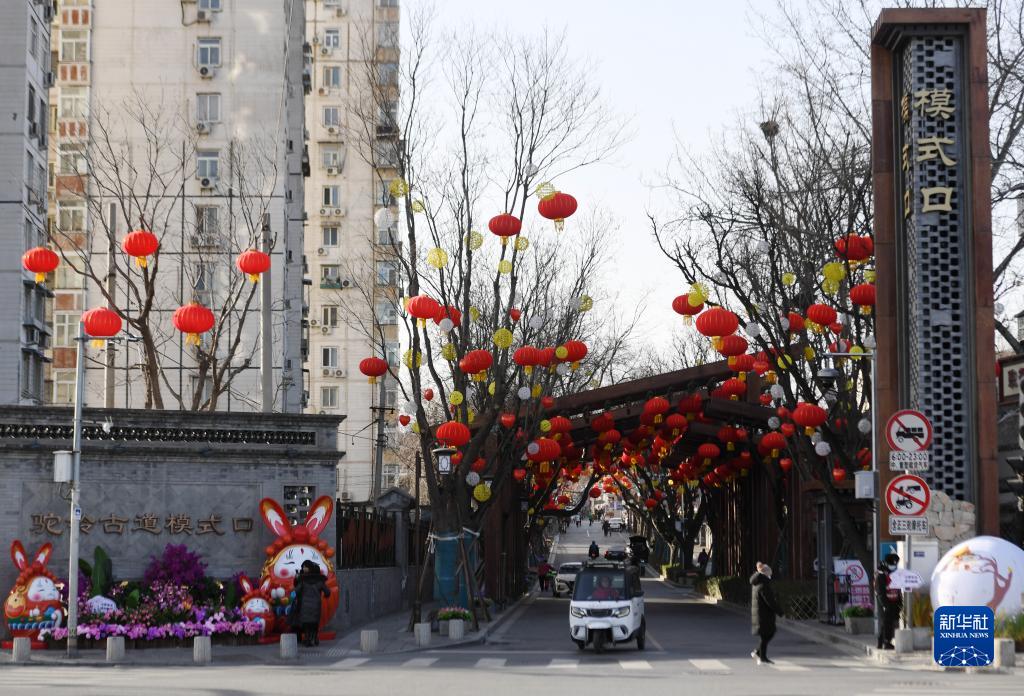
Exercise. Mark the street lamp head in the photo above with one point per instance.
(443, 456)
(829, 375)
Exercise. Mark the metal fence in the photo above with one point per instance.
(367, 539)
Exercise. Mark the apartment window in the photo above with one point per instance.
(390, 472)
(74, 46)
(207, 227)
(208, 52)
(332, 38)
(387, 73)
(204, 276)
(63, 386)
(72, 158)
(390, 396)
(329, 236)
(329, 356)
(330, 273)
(332, 76)
(385, 153)
(331, 196)
(386, 314)
(332, 116)
(65, 328)
(387, 3)
(329, 315)
(41, 180)
(207, 163)
(387, 34)
(67, 276)
(208, 107)
(387, 273)
(388, 235)
(328, 397)
(51, 175)
(383, 196)
(73, 102)
(31, 105)
(210, 5)
(387, 117)
(33, 40)
(330, 156)
(392, 350)
(70, 217)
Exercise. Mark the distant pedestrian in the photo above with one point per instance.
(763, 610)
(310, 584)
(702, 560)
(889, 599)
(543, 570)
(605, 527)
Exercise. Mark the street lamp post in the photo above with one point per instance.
(76, 511)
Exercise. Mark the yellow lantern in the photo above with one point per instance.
(491, 388)
(857, 350)
(407, 359)
(870, 275)
(785, 361)
(545, 425)
(788, 278)
(482, 492)
(474, 240)
(561, 352)
(545, 189)
(503, 338)
(834, 271)
(398, 187)
(474, 314)
(417, 206)
(522, 243)
(586, 303)
(698, 294)
(504, 266)
(808, 353)
(448, 351)
(536, 391)
(437, 257)
(416, 427)
(470, 415)
(456, 398)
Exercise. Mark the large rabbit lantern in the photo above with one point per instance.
(34, 602)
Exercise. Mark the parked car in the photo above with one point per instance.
(607, 607)
(566, 578)
(639, 552)
(616, 553)
(616, 524)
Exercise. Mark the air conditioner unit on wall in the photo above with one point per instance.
(202, 128)
(207, 182)
(345, 496)
(339, 373)
(325, 329)
(202, 16)
(314, 322)
(332, 171)
(325, 51)
(320, 251)
(206, 72)
(327, 372)
(332, 129)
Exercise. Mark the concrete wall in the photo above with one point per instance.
(368, 593)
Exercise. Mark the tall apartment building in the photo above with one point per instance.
(184, 118)
(353, 53)
(24, 78)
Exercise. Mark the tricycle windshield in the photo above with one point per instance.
(600, 586)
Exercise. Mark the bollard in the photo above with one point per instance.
(904, 641)
(422, 632)
(202, 652)
(22, 649)
(1005, 656)
(289, 646)
(115, 648)
(368, 640)
(456, 629)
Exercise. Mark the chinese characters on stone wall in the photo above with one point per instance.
(933, 104)
(53, 524)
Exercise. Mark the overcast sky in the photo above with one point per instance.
(672, 66)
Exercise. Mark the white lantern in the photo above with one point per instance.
(785, 323)
(531, 169)
(562, 369)
(753, 329)
(472, 478)
(532, 448)
(777, 391)
(763, 247)
(823, 449)
(774, 423)
(816, 437)
(446, 325)
(869, 342)
(383, 218)
(536, 321)
(998, 308)
(864, 425)
(523, 393)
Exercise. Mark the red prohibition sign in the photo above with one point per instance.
(908, 496)
(909, 431)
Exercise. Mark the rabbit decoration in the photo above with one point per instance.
(256, 602)
(34, 603)
(287, 553)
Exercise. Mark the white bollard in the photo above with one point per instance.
(456, 629)
(422, 632)
(904, 641)
(115, 648)
(289, 646)
(202, 651)
(368, 640)
(22, 649)
(1005, 656)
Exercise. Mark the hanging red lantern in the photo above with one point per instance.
(821, 314)
(546, 357)
(543, 450)
(787, 429)
(731, 346)
(676, 423)
(717, 322)
(519, 474)
(452, 434)
(796, 322)
(863, 296)
(479, 465)
(765, 399)
(707, 452)
(734, 388)
(742, 363)
(476, 363)
(404, 419)
(681, 305)
(547, 402)
(505, 226)
(508, 420)
(809, 416)
(785, 464)
(140, 244)
(557, 207)
(575, 351)
(527, 357)
(609, 438)
(691, 405)
(650, 503)
(373, 368)
(838, 474)
(423, 307)
(40, 260)
(854, 247)
(602, 422)
(595, 492)
(559, 425)
(656, 407)
(101, 323)
(193, 319)
(428, 393)
(773, 442)
(253, 263)
(727, 436)
(448, 312)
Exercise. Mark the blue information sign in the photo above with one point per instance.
(964, 636)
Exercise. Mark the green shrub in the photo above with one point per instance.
(1011, 627)
(858, 612)
(922, 609)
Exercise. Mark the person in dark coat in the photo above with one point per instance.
(763, 610)
(889, 599)
(309, 586)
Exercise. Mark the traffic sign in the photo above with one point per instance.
(909, 431)
(912, 526)
(907, 496)
(909, 461)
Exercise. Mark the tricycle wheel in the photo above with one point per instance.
(599, 639)
(641, 635)
(581, 644)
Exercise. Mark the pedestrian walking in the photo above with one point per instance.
(889, 599)
(310, 585)
(605, 527)
(763, 610)
(702, 560)
(543, 570)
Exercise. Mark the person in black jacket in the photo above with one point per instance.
(890, 600)
(310, 584)
(763, 610)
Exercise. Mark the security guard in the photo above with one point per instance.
(889, 599)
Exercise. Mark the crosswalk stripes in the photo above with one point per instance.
(708, 665)
(635, 664)
(563, 664)
(784, 666)
(491, 663)
(419, 662)
(350, 662)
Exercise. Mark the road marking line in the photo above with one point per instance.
(420, 662)
(352, 662)
(491, 662)
(563, 664)
(710, 665)
(654, 642)
(866, 669)
(846, 663)
(635, 664)
(784, 666)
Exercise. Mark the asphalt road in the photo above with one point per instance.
(693, 648)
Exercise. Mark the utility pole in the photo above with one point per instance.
(266, 327)
(76, 512)
(378, 463)
(111, 283)
(416, 606)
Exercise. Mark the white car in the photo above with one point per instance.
(607, 607)
(616, 524)
(566, 578)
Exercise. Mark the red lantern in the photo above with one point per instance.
(602, 422)
(681, 305)
(727, 435)
(505, 226)
(863, 296)
(742, 363)
(140, 244)
(707, 452)
(774, 442)
(717, 322)
(479, 465)
(452, 434)
(656, 407)
(557, 207)
(796, 322)
(448, 312)
(821, 314)
(476, 363)
(546, 357)
(547, 402)
(809, 416)
(423, 307)
(855, 248)
(40, 260)
(527, 357)
(101, 323)
(650, 503)
(428, 393)
(404, 419)
(731, 346)
(543, 450)
(691, 405)
(253, 263)
(787, 429)
(192, 319)
(560, 425)
(373, 368)
(676, 423)
(595, 492)
(785, 464)
(519, 474)
(838, 474)
(734, 388)
(575, 351)
(514, 314)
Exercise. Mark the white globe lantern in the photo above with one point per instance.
(864, 425)
(777, 391)
(523, 393)
(446, 325)
(753, 329)
(823, 449)
(472, 478)
(536, 321)
(774, 423)
(384, 218)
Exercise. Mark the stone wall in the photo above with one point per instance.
(950, 521)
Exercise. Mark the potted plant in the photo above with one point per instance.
(446, 614)
(858, 620)
(922, 614)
